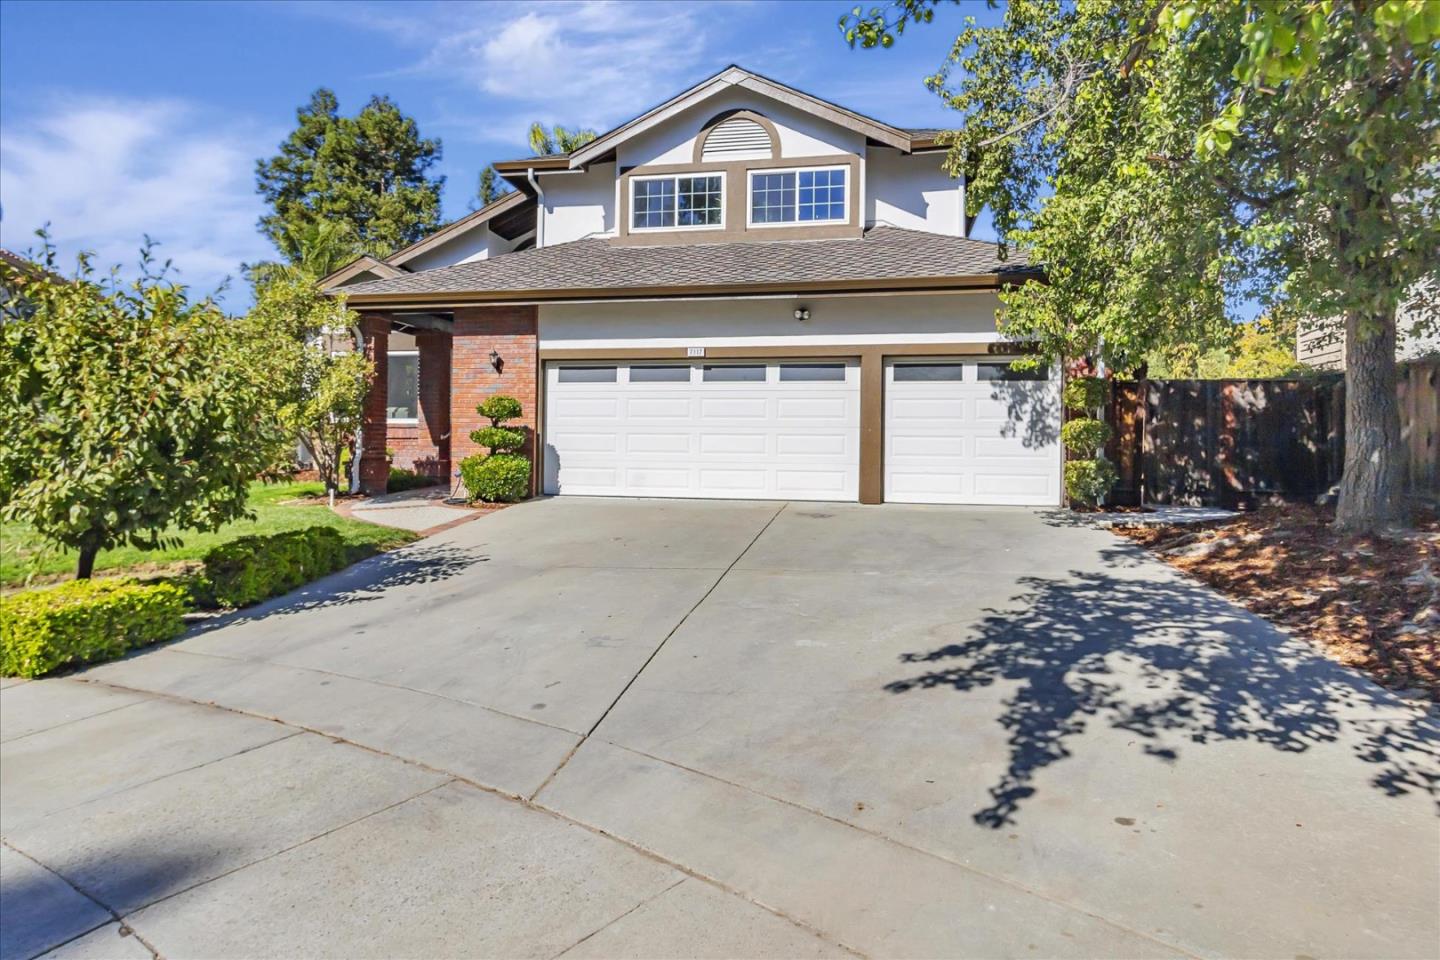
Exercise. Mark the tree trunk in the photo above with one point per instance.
(86, 565)
(1372, 489)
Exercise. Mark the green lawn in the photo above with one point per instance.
(23, 553)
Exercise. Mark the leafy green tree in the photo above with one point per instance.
(370, 172)
(491, 187)
(557, 139)
(320, 248)
(317, 388)
(131, 412)
(1166, 158)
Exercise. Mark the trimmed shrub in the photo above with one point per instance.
(497, 478)
(250, 569)
(402, 479)
(500, 439)
(1089, 480)
(85, 621)
(1083, 393)
(1085, 435)
(499, 407)
(502, 476)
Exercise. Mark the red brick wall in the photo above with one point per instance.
(425, 447)
(374, 466)
(510, 332)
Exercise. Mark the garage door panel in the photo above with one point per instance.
(758, 438)
(961, 440)
(604, 408)
(809, 444)
(734, 408)
(664, 408)
(658, 443)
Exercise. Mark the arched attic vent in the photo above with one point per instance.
(737, 135)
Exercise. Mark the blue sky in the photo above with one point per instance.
(119, 119)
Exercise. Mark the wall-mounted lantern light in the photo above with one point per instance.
(495, 361)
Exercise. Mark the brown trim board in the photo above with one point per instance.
(872, 359)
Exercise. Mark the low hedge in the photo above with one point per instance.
(1088, 481)
(401, 480)
(84, 621)
(498, 478)
(250, 569)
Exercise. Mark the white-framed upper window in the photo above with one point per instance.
(402, 386)
(690, 201)
(802, 195)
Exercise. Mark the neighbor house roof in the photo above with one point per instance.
(885, 258)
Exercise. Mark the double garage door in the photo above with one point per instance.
(955, 431)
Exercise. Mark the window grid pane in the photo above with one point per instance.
(660, 374)
(928, 371)
(822, 195)
(772, 197)
(698, 201)
(1003, 371)
(654, 203)
(586, 375)
(734, 374)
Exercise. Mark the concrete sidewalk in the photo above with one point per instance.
(680, 728)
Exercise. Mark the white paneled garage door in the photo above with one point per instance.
(970, 432)
(762, 430)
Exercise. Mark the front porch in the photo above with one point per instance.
(431, 370)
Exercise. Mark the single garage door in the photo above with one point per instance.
(967, 431)
(765, 430)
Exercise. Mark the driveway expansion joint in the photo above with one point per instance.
(114, 916)
(656, 652)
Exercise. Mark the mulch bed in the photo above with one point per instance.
(1369, 602)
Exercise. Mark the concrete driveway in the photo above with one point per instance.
(678, 728)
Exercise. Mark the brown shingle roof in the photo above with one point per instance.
(886, 254)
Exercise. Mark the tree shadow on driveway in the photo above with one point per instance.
(1173, 664)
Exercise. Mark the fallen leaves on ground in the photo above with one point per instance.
(1372, 603)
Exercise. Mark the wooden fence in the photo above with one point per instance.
(1233, 442)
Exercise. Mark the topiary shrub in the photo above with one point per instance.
(1088, 481)
(497, 478)
(1083, 394)
(1085, 435)
(85, 621)
(250, 569)
(503, 475)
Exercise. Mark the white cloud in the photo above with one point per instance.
(587, 63)
(104, 173)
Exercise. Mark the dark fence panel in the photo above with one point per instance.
(1232, 442)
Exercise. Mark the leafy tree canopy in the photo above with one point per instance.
(369, 172)
(557, 139)
(491, 187)
(1164, 159)
(131, 411)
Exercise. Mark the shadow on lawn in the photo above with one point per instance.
(1172, 664)
(362, 582)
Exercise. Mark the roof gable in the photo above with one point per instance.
(736, 77)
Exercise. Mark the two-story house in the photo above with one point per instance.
(745, 292)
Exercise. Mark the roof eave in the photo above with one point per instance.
(987, 281)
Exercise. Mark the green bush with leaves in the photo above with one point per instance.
(401, 480)
(85, 621)
(1088, 481)
(131, 412)
(1085, 435)
(1083, 394)
(502, 475)
(251, 569)
(498, 478)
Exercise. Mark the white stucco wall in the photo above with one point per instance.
(913, 192)
(579, 205)
(801, 135)
(474, 244)
(938, 318)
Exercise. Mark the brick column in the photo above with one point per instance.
(434, 459)
(511, 333)
(374, 465)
